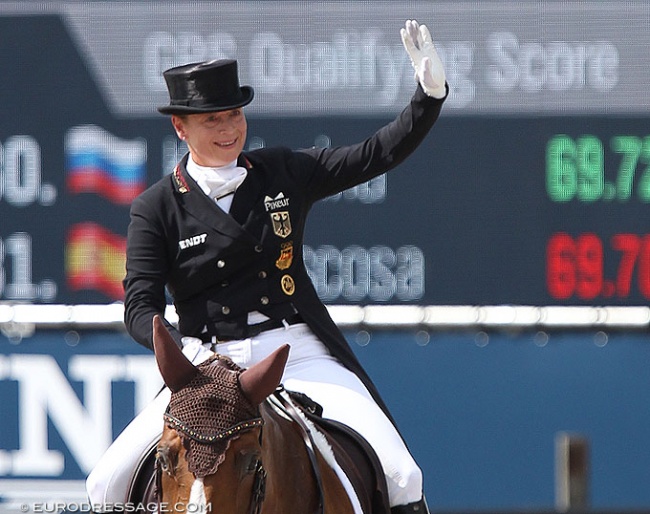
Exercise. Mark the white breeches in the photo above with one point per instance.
(312, 370)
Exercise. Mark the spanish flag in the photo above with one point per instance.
(98, 162)
(95, 259)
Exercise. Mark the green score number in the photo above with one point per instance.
(575, 169)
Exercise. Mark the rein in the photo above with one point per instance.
(288, 409)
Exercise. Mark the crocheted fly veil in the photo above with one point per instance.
(210, 412)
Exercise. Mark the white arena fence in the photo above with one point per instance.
(20, 319)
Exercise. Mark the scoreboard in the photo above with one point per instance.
(533, 188)
(533, 211)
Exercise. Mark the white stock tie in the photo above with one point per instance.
(218, 183)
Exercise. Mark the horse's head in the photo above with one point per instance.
(212, 424)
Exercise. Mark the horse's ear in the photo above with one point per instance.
(175, 368)
(261, 379)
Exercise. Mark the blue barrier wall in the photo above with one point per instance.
(483, 420)
(480, 411)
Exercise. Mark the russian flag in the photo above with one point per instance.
(98, 162)
(95, 259)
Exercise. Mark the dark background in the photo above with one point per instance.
(472, 198)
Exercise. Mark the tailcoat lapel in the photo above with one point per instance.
(198, 204)
(245, 209)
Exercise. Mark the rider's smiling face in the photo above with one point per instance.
(213, 138)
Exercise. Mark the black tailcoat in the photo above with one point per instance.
(218, 266)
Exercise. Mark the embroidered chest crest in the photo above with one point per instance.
(280, 219)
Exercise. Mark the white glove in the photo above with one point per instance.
(196, 350)
(429, 71)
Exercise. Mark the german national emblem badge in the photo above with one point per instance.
(280, 219)
(281, 223)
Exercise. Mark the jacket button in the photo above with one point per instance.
(225, 283)
(258, 248)
(262, 274)
(221, 263)
(264, 300)
(225, 310)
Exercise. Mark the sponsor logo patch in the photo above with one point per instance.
(273, 204)
(192, 241)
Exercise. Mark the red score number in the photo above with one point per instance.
(575, 266)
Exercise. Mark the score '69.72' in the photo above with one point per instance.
(583, 169)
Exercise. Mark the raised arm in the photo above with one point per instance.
(339, 168)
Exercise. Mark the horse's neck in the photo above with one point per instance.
(292, 469)
(280, 435)
(287, 463)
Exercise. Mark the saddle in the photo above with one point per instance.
(352, 452)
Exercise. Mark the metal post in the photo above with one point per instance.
(571, 472)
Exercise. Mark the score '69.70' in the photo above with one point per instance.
(576, 267)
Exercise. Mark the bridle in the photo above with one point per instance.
(259, 489)
(181, 427)
(259, 483)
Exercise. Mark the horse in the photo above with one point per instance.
(235, 442)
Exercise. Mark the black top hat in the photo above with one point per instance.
(205, 87)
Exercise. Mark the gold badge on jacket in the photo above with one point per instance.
(280, 219)
(286, 255)
(288, 285)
